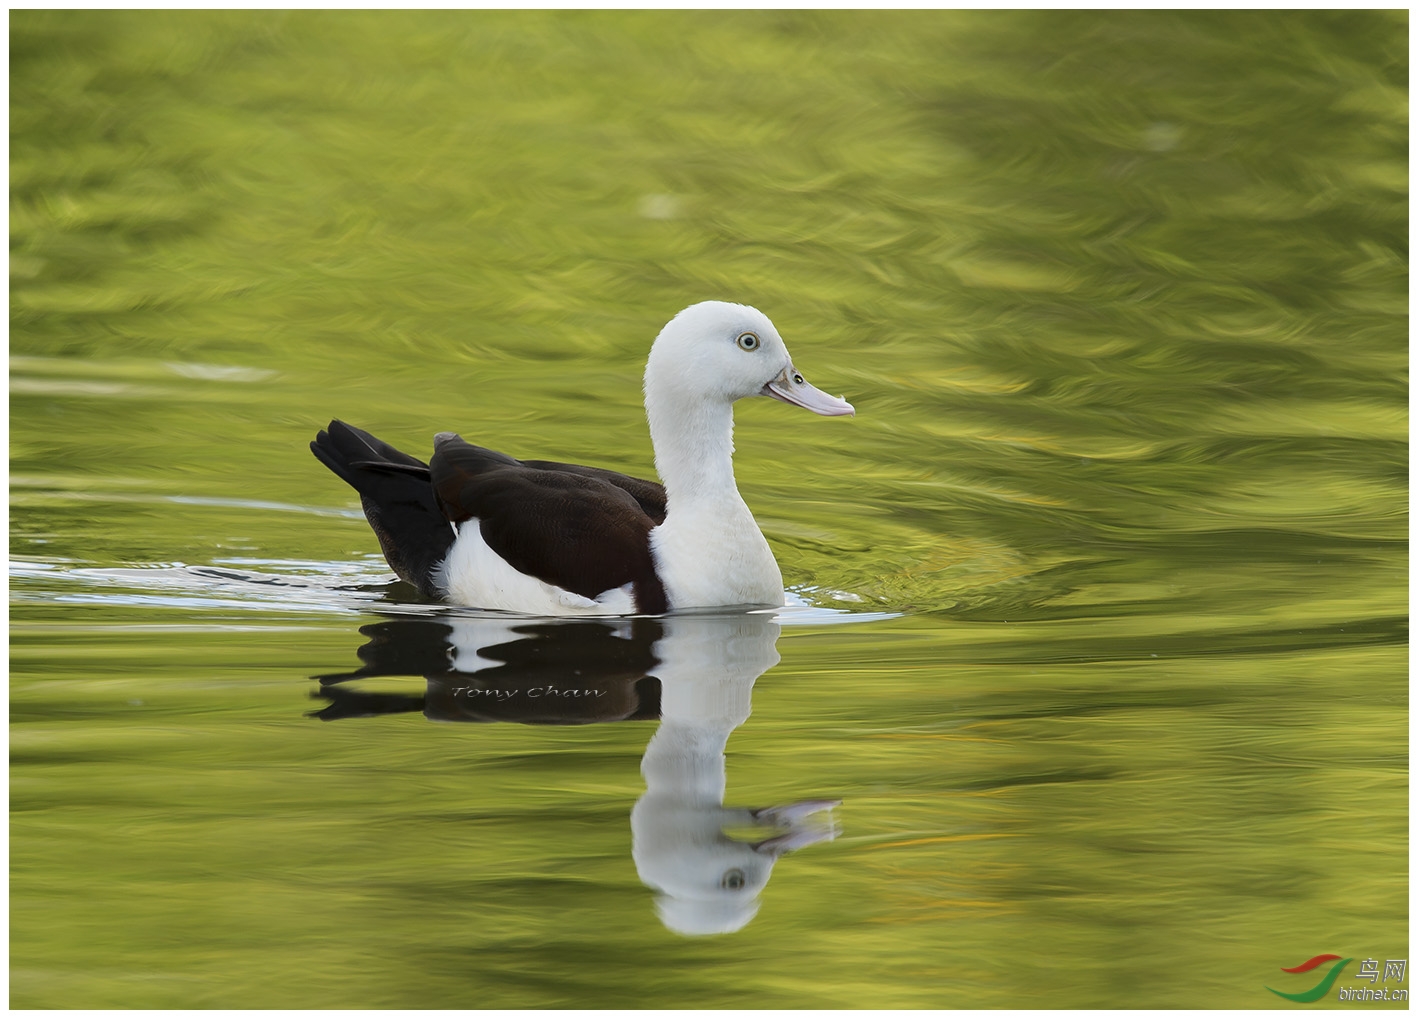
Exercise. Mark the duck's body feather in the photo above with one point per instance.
(480, 528)
(559, 530)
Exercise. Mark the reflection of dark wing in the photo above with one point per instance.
(567, 652)
(575, 528)
(397, 497)
(448, 701)
(536, 672)
(552, 673)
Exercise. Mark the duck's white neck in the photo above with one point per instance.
(694, 450)
(709, 551)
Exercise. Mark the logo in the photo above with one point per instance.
(1369, 970)
(1325, 982)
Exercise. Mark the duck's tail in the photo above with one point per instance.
(398, 499)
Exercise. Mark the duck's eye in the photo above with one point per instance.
(798, 378)
(748, 341)
(734, 878)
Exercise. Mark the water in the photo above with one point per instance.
(1099, 631)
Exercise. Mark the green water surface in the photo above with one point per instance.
(1100, 623)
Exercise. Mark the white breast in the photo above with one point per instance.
(715, 555)
(473, 575)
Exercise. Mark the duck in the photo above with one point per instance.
(478, 528)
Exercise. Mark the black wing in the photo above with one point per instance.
(650, 495)
(575, 527)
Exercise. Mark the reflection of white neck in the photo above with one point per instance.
(709, 882)
(707, 670)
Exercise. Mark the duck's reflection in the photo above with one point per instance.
(695, 672)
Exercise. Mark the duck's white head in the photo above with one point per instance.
(716, 352)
